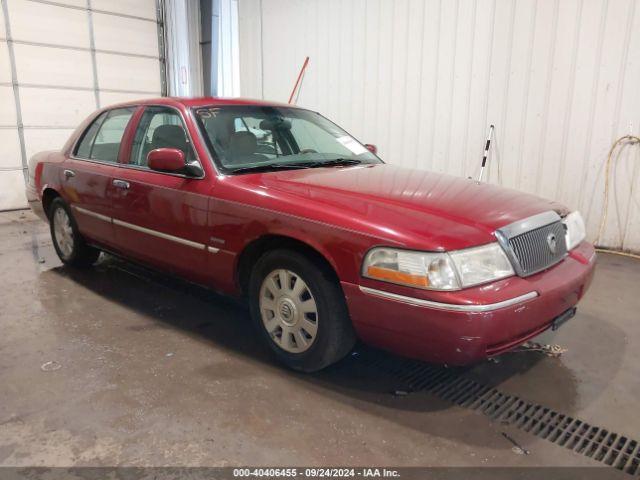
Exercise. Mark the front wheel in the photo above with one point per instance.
(299, 309)
(67, 241)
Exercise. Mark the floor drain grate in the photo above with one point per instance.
(610, 448)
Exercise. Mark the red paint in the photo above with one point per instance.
(341, 213)
(166, 159)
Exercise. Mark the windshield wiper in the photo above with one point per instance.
(270, 167)
(334, 162)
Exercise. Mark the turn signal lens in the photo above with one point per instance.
(397, 277)
(433, 271)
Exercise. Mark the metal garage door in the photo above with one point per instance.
(59, 61)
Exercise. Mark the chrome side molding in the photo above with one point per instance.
(148, 231)
(99, 216)
(419, 302)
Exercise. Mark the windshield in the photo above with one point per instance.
(246, 138)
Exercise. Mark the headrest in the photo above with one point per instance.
(169, 136)
(243, 143)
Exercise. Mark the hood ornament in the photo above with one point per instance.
(552, 241)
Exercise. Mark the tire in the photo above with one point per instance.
(67, 240)
(285, 318)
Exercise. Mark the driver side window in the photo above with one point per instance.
(160, 127)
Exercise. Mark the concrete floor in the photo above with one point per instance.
(151, 371)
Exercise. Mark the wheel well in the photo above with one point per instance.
(48, 196)
(252, 252)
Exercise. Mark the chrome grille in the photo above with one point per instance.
(532, 248)
(535, 243)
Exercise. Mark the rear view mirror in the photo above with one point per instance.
(166, 160)
(372, 148)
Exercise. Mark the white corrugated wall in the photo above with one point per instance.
(423, 79)
(59, 61)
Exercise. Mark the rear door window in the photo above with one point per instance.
(83, 150)
(101, 141)
(107, 141)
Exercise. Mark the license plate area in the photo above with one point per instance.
(563, 318)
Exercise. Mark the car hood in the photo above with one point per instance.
(412, 207)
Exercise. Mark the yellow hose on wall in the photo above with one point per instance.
(627, 138)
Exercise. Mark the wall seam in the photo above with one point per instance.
(435, 88)
(621, 75)
(16, 90)
(452, 79)
(261, 51)
(592, 107)
(105, 12)
(464, 159)
(568, 110)
(547, 96)
(92, 48)
(525, 100)
(487, 89)
(501, 140)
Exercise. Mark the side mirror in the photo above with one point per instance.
(166, 160)
(372, 148)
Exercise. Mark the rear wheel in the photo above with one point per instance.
(300, 310)
(67, 241)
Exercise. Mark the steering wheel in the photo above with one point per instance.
(308, 150)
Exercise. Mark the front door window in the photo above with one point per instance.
(160, 127)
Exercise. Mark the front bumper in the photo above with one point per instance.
(467, 326)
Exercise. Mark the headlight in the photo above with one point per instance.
(481, 264)
(433, 271)
(438, 271)
(576, 231)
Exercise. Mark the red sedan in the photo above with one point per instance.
(326, 242)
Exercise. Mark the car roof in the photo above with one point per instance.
(199, 102)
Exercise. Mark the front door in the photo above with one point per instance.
(160, 217)
(88, 173)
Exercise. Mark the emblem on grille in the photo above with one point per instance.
(552, 241)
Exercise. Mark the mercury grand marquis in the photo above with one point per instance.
(328, 244)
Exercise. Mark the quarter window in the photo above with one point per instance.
(160, 127)
(101, 141)
(107, 142)
(84, 147)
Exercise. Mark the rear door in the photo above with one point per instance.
(159, 217)
(88, 173)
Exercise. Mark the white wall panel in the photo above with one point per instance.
(5, 65)
(125, 35)
(111, 98)
(39, 139)
(128, 73)
(3, 33)
(11, 197)
(45, 107)
(138, 8)
(53, 66)
(40, 22)
(7, 107)
(424, 80)
(9, 149)
(61, 79)
(74, 3)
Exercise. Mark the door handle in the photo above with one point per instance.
(121, 184)
(69, 173)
